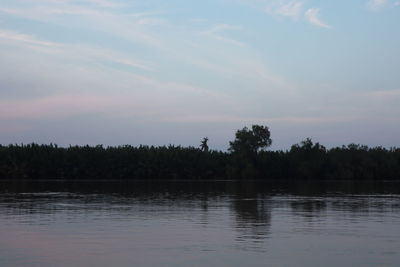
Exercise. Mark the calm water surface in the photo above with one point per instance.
(199, 224)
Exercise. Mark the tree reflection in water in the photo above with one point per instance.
(252, 212)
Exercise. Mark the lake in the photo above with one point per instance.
(225, 223)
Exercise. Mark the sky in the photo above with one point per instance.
(155, 72)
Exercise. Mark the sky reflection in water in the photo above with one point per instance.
(199, 224)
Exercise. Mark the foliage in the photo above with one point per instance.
(204, 145)
(251, 140)
(246, 159)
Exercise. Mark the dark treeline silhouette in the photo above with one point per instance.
(247, 158)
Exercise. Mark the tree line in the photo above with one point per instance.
(246, 158)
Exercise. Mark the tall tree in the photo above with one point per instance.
(251, 140)
(245, 149)
(204, 145)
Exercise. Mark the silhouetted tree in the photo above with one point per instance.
(248, 159)
(204, 145)
(307, 160)
(247, 144)
(251, 140)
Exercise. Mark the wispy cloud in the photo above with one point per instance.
(290, 9)
(385, 94)
(72, 50)
(59, 106)
(142, 63)
(287, 8)
(44, 13)
(376, 4)
(218, 30)
(313, 16)
(152, 21)
(19, 37)
(132, 27)
(71, 85)
(265, 120)
(105, 3)
(97, 3)
(131, 97)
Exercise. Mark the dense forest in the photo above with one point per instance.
(247, 158)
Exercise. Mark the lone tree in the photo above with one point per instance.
(204, 145)
(251, 140)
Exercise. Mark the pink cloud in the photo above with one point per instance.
(59, 106)
(265, 120)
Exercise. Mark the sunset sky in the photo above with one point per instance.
(155, 72)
